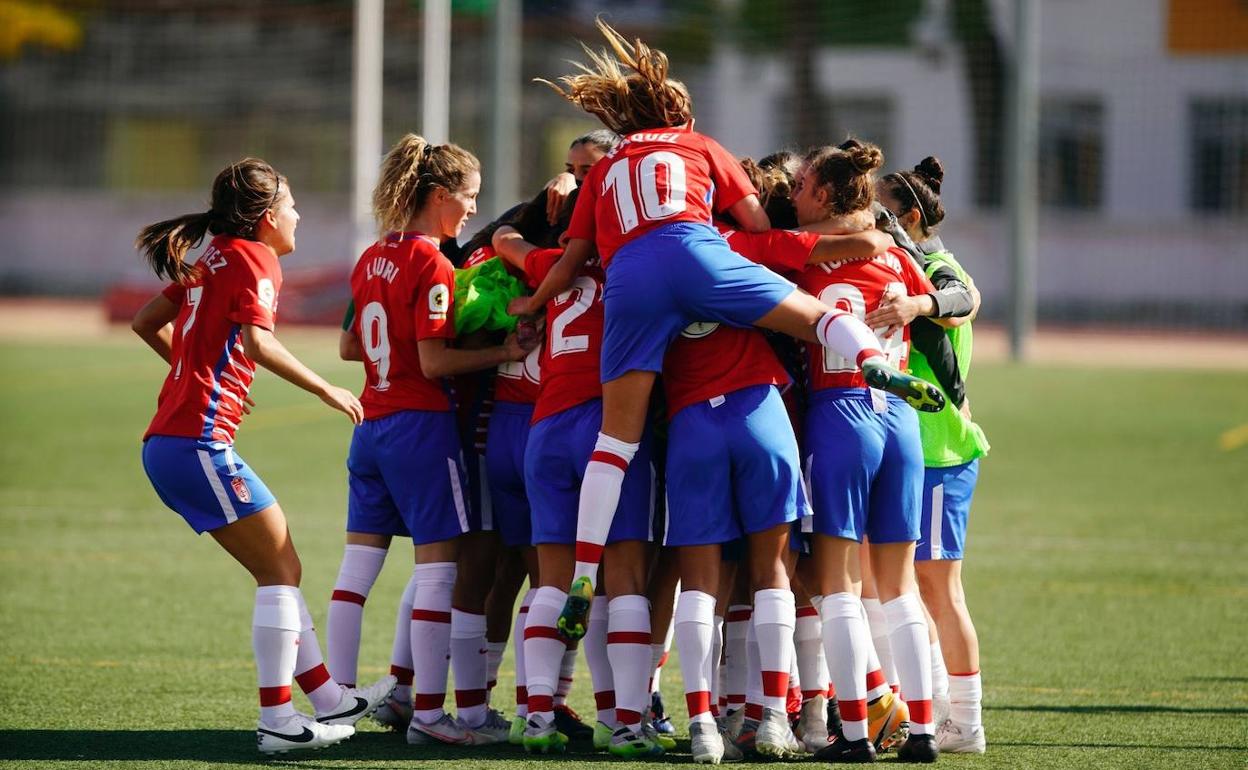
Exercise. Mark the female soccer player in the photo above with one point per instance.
(213, 325)
(406, 464)
(646, 207)
(952, 446)
(864, 463)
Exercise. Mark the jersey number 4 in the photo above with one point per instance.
(659, 177)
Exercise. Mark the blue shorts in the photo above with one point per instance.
(554, 463)
(204, 481)
(504, 468)
(660, 282)
(406, 475)
(865, 467)
(947, 494)
(732, 468)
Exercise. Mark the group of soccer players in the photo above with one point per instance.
(777, 302)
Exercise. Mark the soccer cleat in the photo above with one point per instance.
(917, 392)
(733, 722)
(746, 736)
(569, 723)
(633, 745)
(495, 729)
(297, 733)
(731, 752)
(705, 743)
(812, 725)
(666, 742)
(574, 619)
(918, 748)
(602, 735)
(444, 729)
(847, 752)
(835, 726)
(358, 703)
(515, 735)
(772, 737)
(658, 715)
(954, 738)
(542, 737)
(888, 721)
(394, 713)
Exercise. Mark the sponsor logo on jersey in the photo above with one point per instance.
(240, 489)
(439, 302)
(266, 293)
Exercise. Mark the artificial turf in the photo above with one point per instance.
(1107, 572)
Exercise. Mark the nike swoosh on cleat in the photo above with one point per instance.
(303, 737)
(360, 705)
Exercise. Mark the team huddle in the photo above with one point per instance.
(789, 506)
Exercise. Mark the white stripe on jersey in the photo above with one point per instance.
(457, 491)
(227, 376)
(232, 395)
(214, 481)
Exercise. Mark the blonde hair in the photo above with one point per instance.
(626, 102)
(411, 170)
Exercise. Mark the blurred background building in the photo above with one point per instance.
(117, 113)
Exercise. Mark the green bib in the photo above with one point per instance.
(948, 437)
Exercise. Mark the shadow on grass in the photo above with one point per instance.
(1123, 709)
(238, 747)
(1097, 746)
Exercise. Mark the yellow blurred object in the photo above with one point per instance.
(26, 23)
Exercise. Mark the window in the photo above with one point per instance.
(1071, 152)
(1219, 160)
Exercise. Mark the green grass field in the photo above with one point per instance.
(1107, 572)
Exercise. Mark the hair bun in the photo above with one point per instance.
(866, 158)
(931, 171)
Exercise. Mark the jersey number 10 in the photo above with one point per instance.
(659, 177)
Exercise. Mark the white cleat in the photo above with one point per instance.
(773, 738)
(358, 702)
(495, 729)
(705, 743)
(298, 733)
(954, 738)
(444, 729)
(940, 710)
(812, 726)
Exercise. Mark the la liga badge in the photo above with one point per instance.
(240, 489)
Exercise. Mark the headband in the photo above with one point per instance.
(918, 203)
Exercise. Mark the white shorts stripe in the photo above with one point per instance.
(214, 481)
(458, 492)
(937, 521)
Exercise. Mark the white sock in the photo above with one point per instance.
(878, 626)
(600, 494)
(468, 652)
(360, 566)
(310, 672)
(517, 646)
(543, 650)
(431, 637)
(695, 630)
(600, 674)
(845, 641)
(877, 683)
(965, 696)
(774, 619)
(275, 642)
(401, 651)
(628, 649)
(847, 336)
(908, 636)
(808, 643)
(940, 674)
(717, 652)
(493, 661)
(736, 663)
(567, 674)
(753, 674)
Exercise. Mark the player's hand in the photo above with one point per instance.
(557, 192)
(248, 403)
(344, 401)
(896, 310)
(521, 306)
(513, 349)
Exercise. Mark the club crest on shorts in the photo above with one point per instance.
(241, 491)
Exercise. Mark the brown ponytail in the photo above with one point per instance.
(241, 193)
(846, 170)
(411, 170)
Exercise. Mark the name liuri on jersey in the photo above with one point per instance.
(380, 267)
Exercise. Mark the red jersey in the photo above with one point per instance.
(857, 287)
(709, 359)
(574, 324)
(402, 288)
(517, 381)
(236, 282)
(654, 178)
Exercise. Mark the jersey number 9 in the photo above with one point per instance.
(373, 333)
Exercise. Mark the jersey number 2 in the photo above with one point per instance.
(660, 179)
(572, 304)
(848, 297)
(373, 333)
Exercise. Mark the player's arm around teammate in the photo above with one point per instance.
(213, 325)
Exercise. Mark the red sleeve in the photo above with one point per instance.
(480, 255)
(916, 282)
(432, 301)
(583, 225)
(537, 263)
(789, 250)
(175, 293)
(731, 183)
(254, 290)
